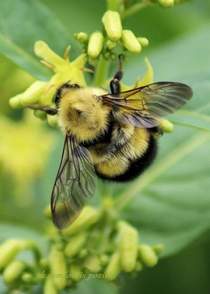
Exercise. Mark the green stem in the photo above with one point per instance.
(113, 5)
(136, 8)
(151, 175)
(101, 72)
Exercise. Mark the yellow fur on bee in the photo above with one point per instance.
(138, 143)
(76, 115)
(114, 166)
(119, 162)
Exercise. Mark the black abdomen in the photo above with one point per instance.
(138, 166)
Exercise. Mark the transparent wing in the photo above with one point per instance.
(144, 105)
(74, 183)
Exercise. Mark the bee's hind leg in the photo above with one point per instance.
(47, 109)
(115, 82)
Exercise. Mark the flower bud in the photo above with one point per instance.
(49, 286)
(13, 271)
(166, 125)
(95, 44)
(75, 272)
(104, 259)
(112, 25)
(8, 251)
(58, 268)
(143, 41)
(128, 246)
(75, 244)
(93, 264)
(83, 253)
(87, 218)
(110, 44)
(166, 3)
(52, 120)
(158, 248)
(147, 255)
(130, 41)
(27, 278)
(81, 37)
(113, 268)
(40, 114)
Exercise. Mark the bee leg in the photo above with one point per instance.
(156, 131)
(115, 82)
(47, 109)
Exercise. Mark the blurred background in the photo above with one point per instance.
(28, 145)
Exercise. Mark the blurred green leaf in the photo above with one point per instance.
(92, 285)
(23, 22)
(192, 119)
(11, 231)
(170, 203)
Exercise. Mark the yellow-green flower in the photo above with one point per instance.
(24, 149)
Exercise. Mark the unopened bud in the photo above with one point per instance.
(40, 114)
(58, 268)
(143, 41)
(130, 41)
(158, 248)
(166, 3)
(52, 120)
(27, 278)
(49, 286)
(87, 218)
(129, 239)
(166, 125)
(8, 251)
(110, 44)
(93, 264)
(81, 37)
(113, 268)
(112, 25)
(147, 255)
(95, 44)
(75, 272)
(75, 244)
(13, 271)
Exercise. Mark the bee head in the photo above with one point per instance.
(82, 114)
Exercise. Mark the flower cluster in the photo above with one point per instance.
(98, 244)
(18, 140)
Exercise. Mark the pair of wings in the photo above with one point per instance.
(141, 107)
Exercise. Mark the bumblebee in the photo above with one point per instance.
(109, 135)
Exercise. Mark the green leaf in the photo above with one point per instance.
(12, 231)
(170, 202)
(23, 22)
(192, 119)
(93, 285)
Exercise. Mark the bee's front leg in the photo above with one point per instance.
(47, 109)
(115, 82)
